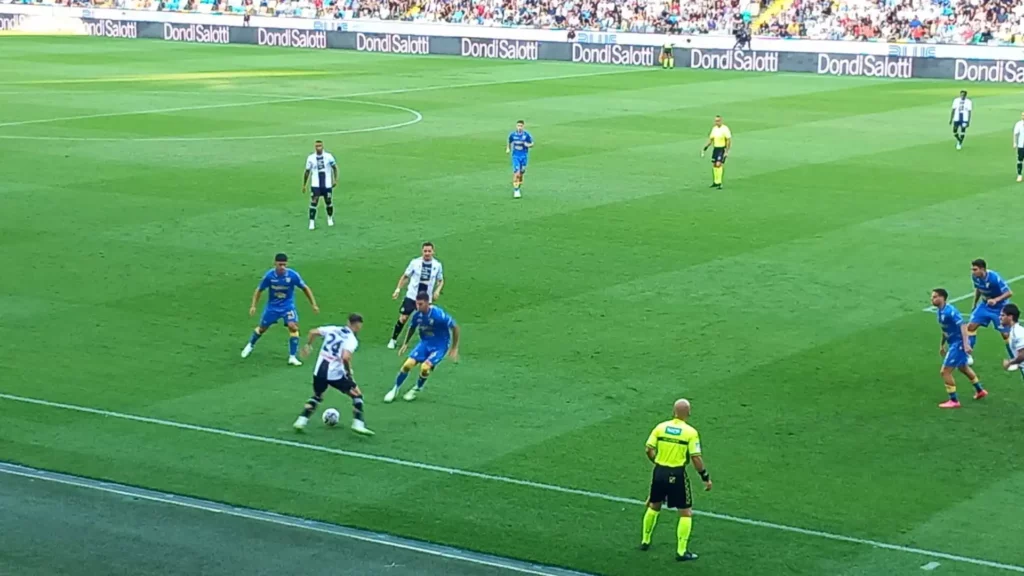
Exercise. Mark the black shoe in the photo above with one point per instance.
(644, 547)
(687, 556)
(713, 186)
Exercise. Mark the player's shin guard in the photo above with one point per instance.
(1020, 166)
(293, 343)
(311, 405)
(357, 409)
(650, 520)
(329, 203)
(683, 534)
(312, 211)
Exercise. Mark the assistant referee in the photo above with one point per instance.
(670, 446)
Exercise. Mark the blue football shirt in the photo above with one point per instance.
(991, 286)
(435, 326)
(281, 288)
(950, 320)
(517, 142)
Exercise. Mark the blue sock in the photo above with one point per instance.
(293, 345)
(952, 396)
(254, 338)
(420, 383)
(977, 386)
(401, 379)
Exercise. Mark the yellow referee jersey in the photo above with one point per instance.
(719, 134)
(675, 441)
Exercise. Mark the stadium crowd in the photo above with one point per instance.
(929, 21)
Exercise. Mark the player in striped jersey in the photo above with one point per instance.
(334, 370)
(323, 169)
(424, 274)
(960, 117)
(1009, 318)
(1018, 143)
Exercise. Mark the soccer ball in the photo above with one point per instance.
(331, 417)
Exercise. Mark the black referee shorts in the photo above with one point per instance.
(718, 155)
(671, 486)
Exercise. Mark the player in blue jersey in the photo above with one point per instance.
(439, 337)
(955, 348)
(281, 281)
(519, 144)
(991, 293)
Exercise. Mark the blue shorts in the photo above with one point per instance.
(984, 315)
(271, 317)
(519, 163)
(425, 351)
(955, 356)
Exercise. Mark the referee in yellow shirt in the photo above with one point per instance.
(670, 446)
(721, 139)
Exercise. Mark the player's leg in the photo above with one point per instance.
(427, 366)
(329, 205)
(972, 376)
(947, 378)
(319, 387)
(292, 319)
(655, 499)
(403, 374)
(352, 390)
(314, 201)
(268, 319)
(408, 305)
(963, 132)
(1020, 163)
(679, 498)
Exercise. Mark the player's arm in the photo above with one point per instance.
(401, 284)
(652, 452)
(728, 145)
(529, 142)
(334, 171)
(255, 299)
(305, 180)
(966, 338)
(346, 359)
(456, 333)
(312, 299)
(1006, 295)
(698, 464)
(706, 146)
(440, 286)
(508, 146)
(313, 335)
(951, 113)
(977, 296)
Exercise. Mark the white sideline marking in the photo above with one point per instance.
(287, 100)
(971, 295)
(930, 566)
(282, 520)
(514, 481)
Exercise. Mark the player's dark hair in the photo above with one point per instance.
(1012, 311)
(520, 122)
(425, 244)
(941, 292)
(281, 257)
(355, 319)
(980, 263)
(318, 142)
(963, 92)
(423, 297)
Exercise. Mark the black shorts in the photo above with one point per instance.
(325, 192)
(718, 155)
(321, 383)
(666, 51)
(958, 125)
(671, 486)
(1020, 154)
(408, 306)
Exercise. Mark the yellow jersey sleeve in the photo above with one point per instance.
(652, 440)
(726, 132)
(694, 443)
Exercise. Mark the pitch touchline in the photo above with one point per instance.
(508, 480)
(302, 99)
(289, 521)
(966, 296)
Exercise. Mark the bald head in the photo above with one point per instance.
(681, 409)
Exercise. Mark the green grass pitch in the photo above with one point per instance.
(788, 306)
